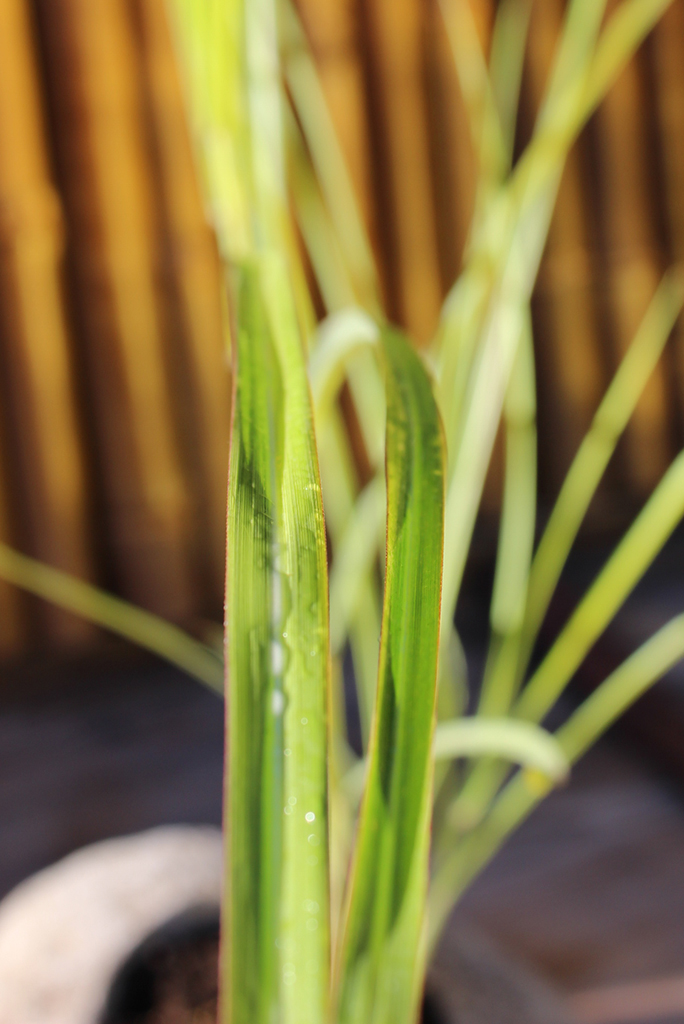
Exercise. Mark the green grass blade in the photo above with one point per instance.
(254, 621)
(516, 538)
(595, 452)
(118, 616)
(624, 569)
(338, 353)
(637, 673)
(276, 961)
(328, 160)
(354, 562)
(452, 678)
(530, 745)
(514, 230)
(338, 338)
(516, 532)
(496, 221)
(482, 413)
(339, 493)
(472, 852)
(342, 347)
(509, 658)
(628, 26)
(522, 743)
(579, 87)
(380, 962)
(476, 89)
(209, 40)
(626, 684)
(315, 224)
(581, 27)
(484, 318)
(509, 37)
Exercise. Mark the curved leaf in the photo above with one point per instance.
(517, 741)
(637, 673)
(520, 742)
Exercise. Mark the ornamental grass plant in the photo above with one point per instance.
(343, 865)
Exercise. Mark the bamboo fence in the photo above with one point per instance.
(114, 383)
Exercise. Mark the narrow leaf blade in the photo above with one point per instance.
(275, 963)
(380, 964)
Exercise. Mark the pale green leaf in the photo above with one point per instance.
(637, 673)
(624, 569)
(596, 450)
(112, 613)
(522, 742)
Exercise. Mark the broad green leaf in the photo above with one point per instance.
(112, 613)
(276, 946)
(381, 956)
(275, 950)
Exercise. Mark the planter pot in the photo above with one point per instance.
(114, 930)
(470, 982)
(65, 932)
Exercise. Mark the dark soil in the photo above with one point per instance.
(172, 977)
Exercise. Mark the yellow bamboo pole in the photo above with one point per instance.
(198, 285)
(36, 357)
(395, 29)
(94, 79)
(455, 167)
(13, 620)
(569, 341)
(633, 262)
(668, 74)
(334, 35)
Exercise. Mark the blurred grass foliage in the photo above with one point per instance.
(284, 211)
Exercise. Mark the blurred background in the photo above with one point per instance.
(114, 418)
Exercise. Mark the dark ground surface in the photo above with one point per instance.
(589, 892)
(120, 750)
